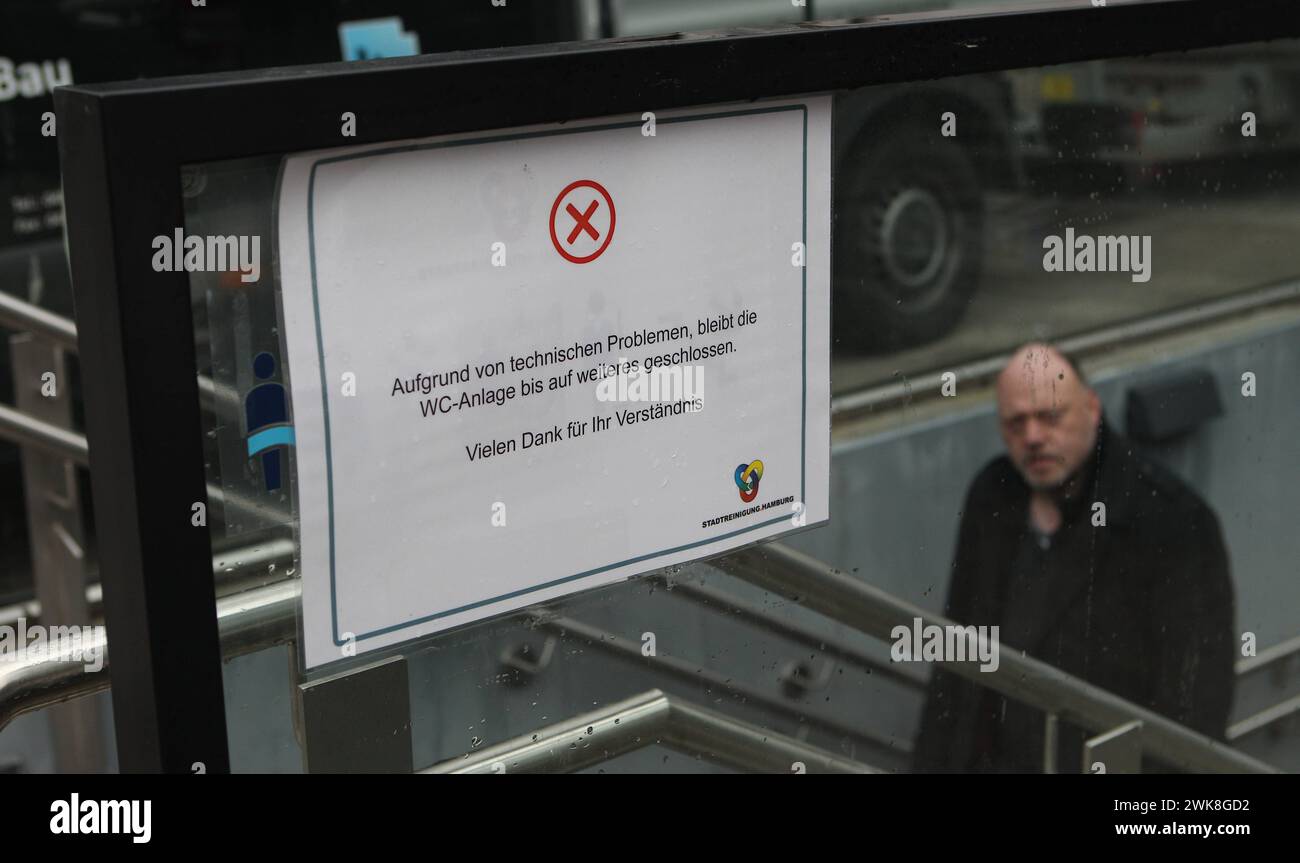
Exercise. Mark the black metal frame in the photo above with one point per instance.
(122, 148)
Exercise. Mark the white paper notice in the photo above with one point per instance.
(529, 362)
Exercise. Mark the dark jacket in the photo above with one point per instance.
(1141, 607)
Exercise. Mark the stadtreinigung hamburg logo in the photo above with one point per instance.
(747, 478)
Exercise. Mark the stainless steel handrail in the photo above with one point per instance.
(26, 430)
(880, 396)
(247, 622)
(819, 641)
(234, 569)
(651, 718)
(785, 571)
(28, 317)
(692, 672)
(814, 584)
(731, 742)
(281, 551)
(1264, 718)
(28, 683)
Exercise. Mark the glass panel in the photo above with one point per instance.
(1119, 202)
(940, 256)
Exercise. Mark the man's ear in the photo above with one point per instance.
(1094, 406)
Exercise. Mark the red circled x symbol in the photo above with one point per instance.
(589, 217)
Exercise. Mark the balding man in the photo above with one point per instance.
(1089, 558)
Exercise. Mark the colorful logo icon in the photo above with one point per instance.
(267, 415)
(747, 477)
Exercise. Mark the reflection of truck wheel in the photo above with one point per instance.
(908, 239)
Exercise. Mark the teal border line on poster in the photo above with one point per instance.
(320, 349)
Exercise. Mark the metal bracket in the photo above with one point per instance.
(1118, 750)
(359, 721)
(518, 657)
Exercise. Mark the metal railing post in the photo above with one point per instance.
(1051, 727)
(56, 535)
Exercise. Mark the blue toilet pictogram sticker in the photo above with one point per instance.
(267, 414)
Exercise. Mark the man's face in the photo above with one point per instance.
(1047, 417)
